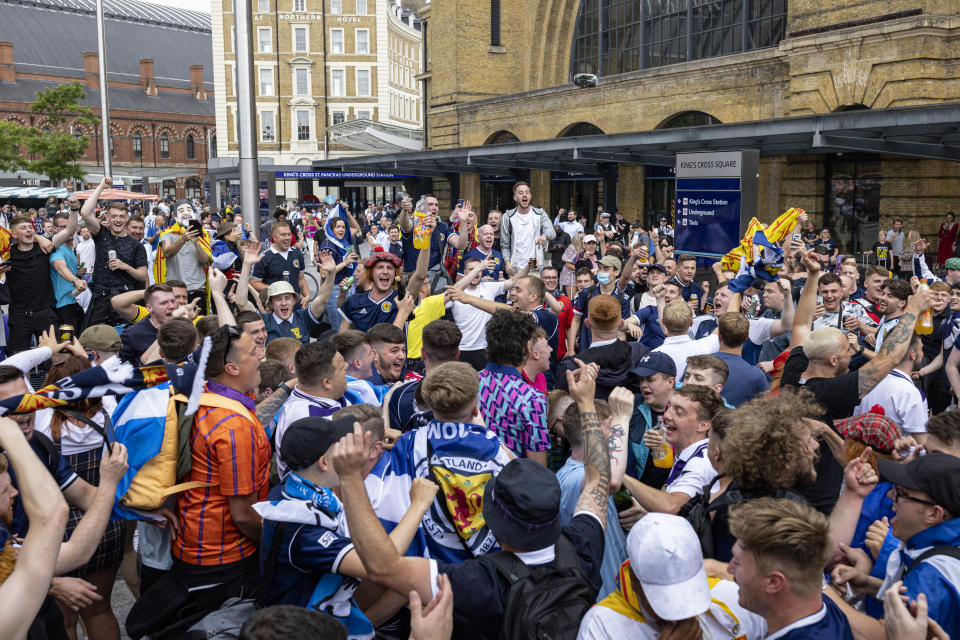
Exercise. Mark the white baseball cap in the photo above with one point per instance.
(589, 238)
(665, 556)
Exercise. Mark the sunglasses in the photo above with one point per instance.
(233, 333)
(897, 494)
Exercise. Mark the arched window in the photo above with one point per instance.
(191, 150)
(689, 119)
(502, 137)
(137, 145)
(164, 145)
(77, 132)
(581, 129)
(112, 147)
(213, 146)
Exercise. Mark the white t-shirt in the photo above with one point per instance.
(185, 266)
(835, 320)
(697, 471)
(74, 439)
(902, 402)
(526, 229)
(87, 254)
(473, 321)
(679, 348)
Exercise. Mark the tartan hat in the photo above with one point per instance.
(379, 255)
(872, 428)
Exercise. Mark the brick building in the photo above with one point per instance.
(159, 71)
(332, 78)
(501, 72)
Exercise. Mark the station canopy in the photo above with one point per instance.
(931, 131)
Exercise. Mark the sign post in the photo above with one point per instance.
(716, 198)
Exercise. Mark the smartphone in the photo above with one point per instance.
(819, 299)
(796, 237)
(401, 290)
(532, 263)
(460, 202)
(194, 225)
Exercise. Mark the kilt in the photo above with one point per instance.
(109, 552)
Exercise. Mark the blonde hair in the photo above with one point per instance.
(577, 241)
(677, 316)
(785, 536)
(821, 344)
(450, 390)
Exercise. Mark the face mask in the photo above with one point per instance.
(603, 278)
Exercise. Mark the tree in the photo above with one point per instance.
(57, 151)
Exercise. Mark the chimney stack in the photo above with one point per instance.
(91, 69)
(7, 71)
(196, 82)
(146, 76)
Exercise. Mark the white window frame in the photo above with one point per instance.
(366, 42)
(263, 89)
(357, 80)
(264, 46)
(299, 6)
(361, 7)
(297, 73)
(336, 6)
(333, 83)
(273, 126)
(333, 116)
(364, 114)
(306, 38)
(263, 6)
(333, 42)
(296, 128)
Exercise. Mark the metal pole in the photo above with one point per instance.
(246, 117)
(104, 102)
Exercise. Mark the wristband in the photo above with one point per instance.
(283, 385)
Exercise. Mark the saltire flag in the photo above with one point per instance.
(223, 256)
(759, 254)
(346, 244)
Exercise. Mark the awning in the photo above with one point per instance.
(116, 194)
(931, 131)
(32, 192)
(366, 135)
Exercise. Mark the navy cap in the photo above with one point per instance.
(656, 362)
(659, 267)
(307, 439)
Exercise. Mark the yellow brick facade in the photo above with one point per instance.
(835, 55)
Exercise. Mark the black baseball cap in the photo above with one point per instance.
(935, 474)
(659, 267)
(307, 439)
(521, 505)
(656, 362)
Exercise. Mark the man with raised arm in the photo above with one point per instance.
(521, 506)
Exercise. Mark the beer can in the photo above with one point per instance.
(65, 333)
(111, 254)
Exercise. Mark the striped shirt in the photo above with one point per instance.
(301, 404)
(233, 453)
(513, 409)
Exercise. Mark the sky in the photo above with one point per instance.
(196, 5)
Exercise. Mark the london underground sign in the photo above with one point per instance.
(716, 197)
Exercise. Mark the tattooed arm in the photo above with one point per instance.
(595, 490)
(895, 344)
(268, 407)
(621, 409)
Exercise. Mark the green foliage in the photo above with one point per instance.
(56, 153)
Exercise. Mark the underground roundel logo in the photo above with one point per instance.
(386, 306)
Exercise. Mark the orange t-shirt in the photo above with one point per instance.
(234, 454)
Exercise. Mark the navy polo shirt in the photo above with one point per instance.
(363, 312)
(272, 266)
(300, 326)
(136, 339)
(338, 256)
(548, 322)
(477, 254)
(829, 622)
(438, 241)
(405, 414)
(686, 290)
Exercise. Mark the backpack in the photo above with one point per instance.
(149, 485)
(697, 510)
(544, 602)
(942, 550)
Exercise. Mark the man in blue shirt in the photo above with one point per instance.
(317, 566)
(281, 262)
(782, 547)
(744, 381)
(482, 251)
(364, 309)
(440, 237)
(686, 271)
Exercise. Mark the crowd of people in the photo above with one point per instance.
(492, 425)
